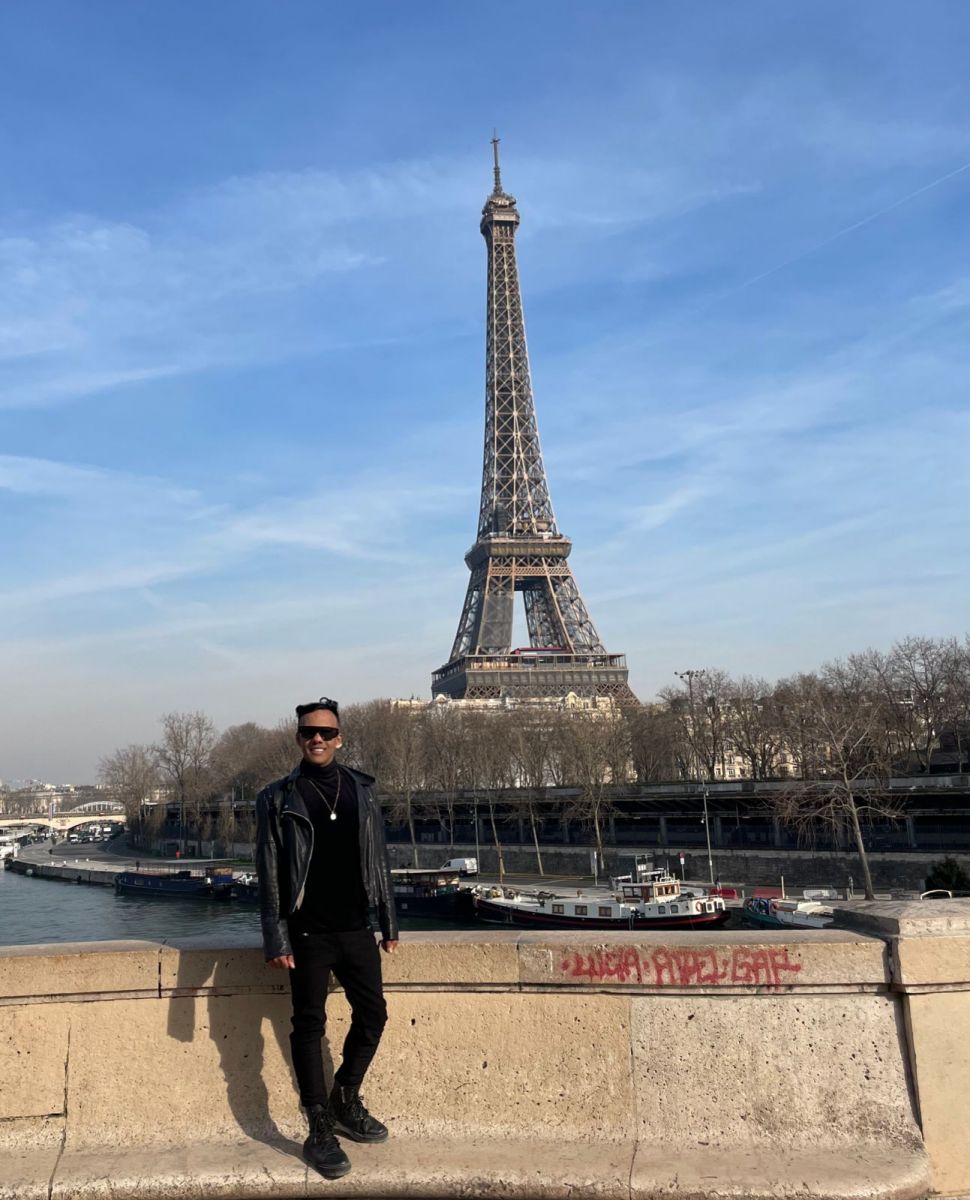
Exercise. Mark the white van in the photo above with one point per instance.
(464, 866)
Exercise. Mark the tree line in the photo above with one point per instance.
(835, 735)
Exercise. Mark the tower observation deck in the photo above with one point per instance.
(519, 547)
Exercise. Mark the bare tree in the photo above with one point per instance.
(532, 743)
(489, 764)
(363, 728)
(184, 757)
(588, 750)
(21, 802)
(957, 725)
(236, 758)
(247, 826)
(657, 754)
(132, 776)
(916, 682)
(226, 825)
(756, 729)
(388, 740)
(445, 755)
(406, 742)
(701, 706)
(792, 699)
(278, 752)
(844, 724)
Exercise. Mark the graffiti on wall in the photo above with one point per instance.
(743, 966)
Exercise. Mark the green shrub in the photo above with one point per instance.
(948, 873)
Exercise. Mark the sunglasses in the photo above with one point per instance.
(309, 732)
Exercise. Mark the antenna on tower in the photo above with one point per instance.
(498, 176)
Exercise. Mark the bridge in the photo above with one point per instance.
(63, 822)
(770, 1063)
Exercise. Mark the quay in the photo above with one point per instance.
(744, 1064)
(76, 871)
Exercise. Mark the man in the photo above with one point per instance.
(322, 866)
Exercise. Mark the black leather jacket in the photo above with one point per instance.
(284, 843)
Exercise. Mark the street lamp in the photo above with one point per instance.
(707, 831)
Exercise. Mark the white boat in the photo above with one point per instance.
(779, 912)
(653, 900)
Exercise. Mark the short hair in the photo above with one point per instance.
(323, 704)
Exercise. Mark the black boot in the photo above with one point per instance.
(321, 1149)
(351, 1118)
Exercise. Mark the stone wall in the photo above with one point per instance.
(738, 1063)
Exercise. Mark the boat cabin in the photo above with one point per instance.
(657, 886)
(413, 881)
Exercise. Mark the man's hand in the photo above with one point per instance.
(283, 961)
(388, 945)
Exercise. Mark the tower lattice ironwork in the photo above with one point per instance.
(519, 547)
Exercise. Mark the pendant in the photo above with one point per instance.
(333, 816)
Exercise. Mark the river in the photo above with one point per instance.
(44, 910)
(34, 911)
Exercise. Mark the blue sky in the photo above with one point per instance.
(241, 340)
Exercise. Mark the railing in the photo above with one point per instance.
(533, 659)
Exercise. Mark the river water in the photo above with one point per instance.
(45, 910)
(34, 911)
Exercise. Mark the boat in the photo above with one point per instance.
(420, 892)
(245, 888)
(214, 883)
(780, 912)
(652, 899)
(417, 893)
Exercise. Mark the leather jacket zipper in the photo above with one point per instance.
(306, 873)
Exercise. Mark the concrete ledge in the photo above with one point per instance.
(906, 918)
(735, 960)
(860, 1173)
(76, 967)
(526, 1170)
(26, 1174)
(753, 1064)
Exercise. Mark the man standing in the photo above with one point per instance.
(322, 866)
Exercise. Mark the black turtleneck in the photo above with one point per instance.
(334, 899)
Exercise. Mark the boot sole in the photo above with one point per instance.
(329, 1172)
(357, 1137)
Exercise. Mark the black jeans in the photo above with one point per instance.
(355, 960)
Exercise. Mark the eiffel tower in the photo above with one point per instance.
(519, 547)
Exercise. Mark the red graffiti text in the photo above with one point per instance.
(666, 967)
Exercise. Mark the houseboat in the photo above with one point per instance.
(417, 893)
(199, 883)
(651, 899)
(430, 893)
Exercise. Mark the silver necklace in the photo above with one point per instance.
(320, 792)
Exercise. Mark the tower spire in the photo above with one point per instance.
(497, 191)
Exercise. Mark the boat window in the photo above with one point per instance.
(663, 910)
(674, 908)
(557, 908)
(580, 910)
(605, 910)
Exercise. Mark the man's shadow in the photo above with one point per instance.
(241, 994)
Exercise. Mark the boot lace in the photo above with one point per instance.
(354, 1108)
(321, 1126)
